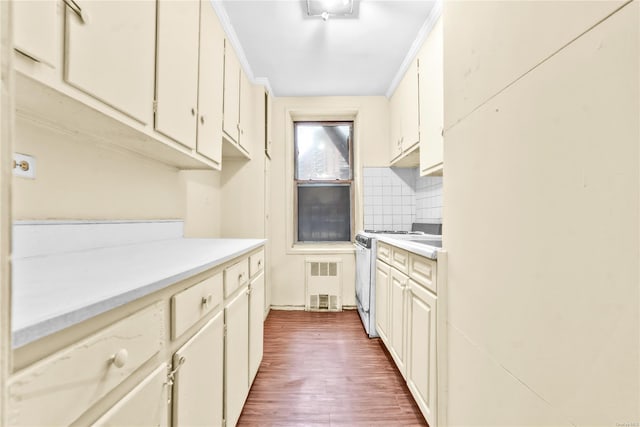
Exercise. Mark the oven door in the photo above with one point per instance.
(363, 276)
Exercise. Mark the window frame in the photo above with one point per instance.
(325, 182)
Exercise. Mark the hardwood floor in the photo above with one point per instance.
(321, 369)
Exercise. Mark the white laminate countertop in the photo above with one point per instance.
(54, 292)
(422, 249)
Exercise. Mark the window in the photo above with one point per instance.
(324, 180)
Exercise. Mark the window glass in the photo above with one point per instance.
(322, 151)
(323, 181)
(324, 213)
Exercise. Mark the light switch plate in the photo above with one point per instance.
(24, 166)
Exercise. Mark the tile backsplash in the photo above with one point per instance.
(394, 198)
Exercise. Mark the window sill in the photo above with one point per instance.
(321, 248)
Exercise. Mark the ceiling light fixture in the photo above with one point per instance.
(330, 8)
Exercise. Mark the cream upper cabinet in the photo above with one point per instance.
(421, 348)
(395, 124)
(247, 116)
(145, 405)
(109, 54)
(177, 70)
(198, 366)
(398, 283)
(236, 368)
(404, 111)
(268, 105)
(210, 87)
(431, 100)
(382, 300)
(231, 109)
(35, 29)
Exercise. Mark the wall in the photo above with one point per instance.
(78, 179)
(542, 109)
(371, 149)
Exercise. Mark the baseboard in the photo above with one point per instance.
(301, 307)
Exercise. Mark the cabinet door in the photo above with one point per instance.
(211, 82)
(397, 287)
(145, 405)
(197, 390)
(268, 105)
(421, 348)
(231, 109)
(110, 55)
(395, 124)
(236, 369)
(382, 300)
(247, 122)
(409, 109)
(431, 102)
(177, 70)
(35, 29)
(256, 325)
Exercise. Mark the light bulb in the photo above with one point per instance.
(325, 15)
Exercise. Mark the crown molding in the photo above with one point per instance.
(231, 35)
(424, 32)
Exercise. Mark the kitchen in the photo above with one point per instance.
(540, 140)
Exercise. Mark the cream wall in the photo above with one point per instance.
(371, 149)
(541, 202)
(79, 179)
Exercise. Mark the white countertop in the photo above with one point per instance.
(428, 251)
(56, 291)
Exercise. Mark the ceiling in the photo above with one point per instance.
(299, 55)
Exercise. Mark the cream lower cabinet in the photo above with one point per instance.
(59, 388)
(382, 300)
(145, 405)
(192, 366)
(236, 369)
(398, 283)
(406, 319)
(198, 377)
(421, 349)
(256, 324)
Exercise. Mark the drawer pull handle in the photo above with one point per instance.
(206, 300)
(259, 263)
(120, 358)
(240, 276)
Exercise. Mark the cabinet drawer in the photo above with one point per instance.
(145, 405)
(256, 263)
(235, 276)
(384, 252)
(423, 271)
(194, 303)
(400, 259)
(58, 389)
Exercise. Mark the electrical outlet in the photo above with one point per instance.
(24, 166)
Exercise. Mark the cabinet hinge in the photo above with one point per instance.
(155, 106)
(224, 330)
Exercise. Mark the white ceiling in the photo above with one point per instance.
(303, 56)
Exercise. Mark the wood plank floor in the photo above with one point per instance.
(321, 369)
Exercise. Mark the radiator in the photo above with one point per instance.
(323, 284)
